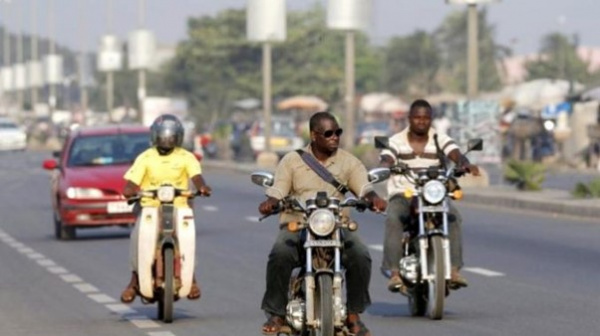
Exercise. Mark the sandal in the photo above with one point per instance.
(128, 295)
(276, 325)
(395, 284)
(195, 292)
(362, 328)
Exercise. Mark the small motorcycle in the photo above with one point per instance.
(425, 265)
(166, 259)
(315, 299)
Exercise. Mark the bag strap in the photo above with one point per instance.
(320, 170)
(439, 152)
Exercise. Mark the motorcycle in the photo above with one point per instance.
(425, 264)
(166, 259)
(315, 298)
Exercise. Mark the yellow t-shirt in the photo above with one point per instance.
(151, 170)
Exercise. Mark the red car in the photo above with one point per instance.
(87, 177)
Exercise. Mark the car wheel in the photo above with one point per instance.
(61, 231)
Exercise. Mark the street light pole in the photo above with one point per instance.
(266, 68)
(473, 52)
(350, 89)
(141, 72)
(34, 50)
(109, 74)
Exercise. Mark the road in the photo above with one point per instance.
(529, 274)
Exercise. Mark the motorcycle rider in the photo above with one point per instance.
(416, 147)
(165, 162)
(295, 178)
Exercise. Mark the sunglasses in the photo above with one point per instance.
(330, 133)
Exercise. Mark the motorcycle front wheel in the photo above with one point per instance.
(437, 282)
(324, 306)
(165, 303)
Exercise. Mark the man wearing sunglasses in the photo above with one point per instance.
(293, 177)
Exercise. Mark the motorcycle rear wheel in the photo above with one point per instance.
(437, 283)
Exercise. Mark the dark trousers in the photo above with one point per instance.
(398, 213)
(285, 256)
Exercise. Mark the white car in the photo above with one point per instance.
(283, 136)
(12, 137)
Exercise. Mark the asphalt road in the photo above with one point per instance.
(529, 274)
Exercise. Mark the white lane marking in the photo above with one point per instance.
(26, 250)
(57, 270)
(46, 262)
(483, 271)
(476, 270)
(161, 333)
(120, 308)
(9, 239)
(101, 298)
(71, 278)
(252, 219)
(16, 245)
(35, 255)
(210, 208)
(85, 288)
(376, 247)
(143, 322)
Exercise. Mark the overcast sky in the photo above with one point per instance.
(520, 23)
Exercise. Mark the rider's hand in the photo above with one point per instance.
(205, 190)
(266, 207)
(473, 169)
(379, 204)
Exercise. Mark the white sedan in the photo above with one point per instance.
(12, 137)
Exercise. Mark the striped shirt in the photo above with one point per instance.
(399, 142)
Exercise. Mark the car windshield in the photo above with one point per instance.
(107, 150)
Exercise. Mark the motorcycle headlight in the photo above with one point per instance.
(84, 193)
(321, 222)
(434, 191)
(166, 194)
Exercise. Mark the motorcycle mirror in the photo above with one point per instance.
(475, 144)
(262, 179)
(382, 142)
(379, 174)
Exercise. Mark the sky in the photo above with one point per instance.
(79, 24)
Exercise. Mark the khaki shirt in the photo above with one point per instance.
(295, 178)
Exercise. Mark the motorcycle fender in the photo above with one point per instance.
(147, 237)
(186, 237)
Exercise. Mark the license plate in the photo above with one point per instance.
(119, 207)
(322, 243)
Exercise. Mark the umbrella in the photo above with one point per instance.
(382, 102)
(541, 92)
(305, 103)
(592, 94)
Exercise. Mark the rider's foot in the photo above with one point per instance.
(395, 284)
(130, 292)
(356, 327)
(457, 280)
(195, 292)
(275, 325)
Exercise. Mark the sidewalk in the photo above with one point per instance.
(547, 201)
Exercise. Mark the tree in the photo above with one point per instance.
(453, 39)
(558, 59)
(412, 63)
(216, 65)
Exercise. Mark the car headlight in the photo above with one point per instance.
(83, 193)
(434, 192)
(166, 194)
(321, 222)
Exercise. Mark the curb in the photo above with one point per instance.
(549, 201)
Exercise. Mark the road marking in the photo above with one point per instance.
(71, 278)
(210, 208)
(143, 322)
(46, 262)
(101, 298)
(127, 313)
(85, 288)
(57, 270)
(252, 219)
(483, 271)
(161, 333)
(376, 247)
